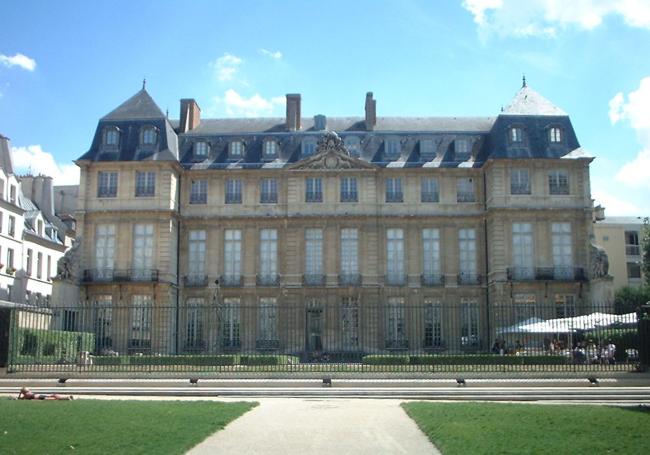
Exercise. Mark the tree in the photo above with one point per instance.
(628, 298)
(645, 247)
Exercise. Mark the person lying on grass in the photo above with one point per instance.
(26, 394)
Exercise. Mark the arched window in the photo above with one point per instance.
(111, 137)
(555, 134)
(149, 135)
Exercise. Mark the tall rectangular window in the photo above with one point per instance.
(313, 256)
(395, 270)
(394, 189)
(350, 323)
(467, 256)
(12, 226)
(107, 184)
(269, 191)
(558, 182)
(199, 192)
(519, 181)
(236, 149)
(461, 149)
(194, 325)
(396, 337)
(232, 257)
(392, 148)
(49, 267)
(432, 318)
(562, 251)
(465, 191)
(429, 189)
(1, 221)
(522, 251)
(469, 320)
(349, 189)
(102, 324)
(231, 323)
(313, 189)
(267, 324)
(104, 251)
(268, 256)
(233, 191)
(145, 184)
(431, 273)
(143, 251)
(632, 246)
(10, 258)
(30, 258)
(196, 256)
(427, 148)
(349, 256)
(39, 265)
(140, 336)
(565, 306)
(12, 194)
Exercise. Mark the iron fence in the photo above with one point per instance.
(349, 337)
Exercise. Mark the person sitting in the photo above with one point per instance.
(26, 394)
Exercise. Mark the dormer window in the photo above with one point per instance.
(353, 144)
(149, 136)
(112, 137)
(236, 149)
(555, 135)
(427, 148)
(270, 148)
(201, 149)
(392, 148)
(308, 146)
(516, 134)
(461, 148)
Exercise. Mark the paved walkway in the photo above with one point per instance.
(314, 426)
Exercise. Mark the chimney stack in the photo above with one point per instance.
(371, 112)
(39, 189)
(190, 115)
(293, 111)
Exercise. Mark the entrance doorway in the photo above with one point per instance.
(314, 328)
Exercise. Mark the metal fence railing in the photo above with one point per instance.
(348, 337)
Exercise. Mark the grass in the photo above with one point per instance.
(499, 428)
(99, 427)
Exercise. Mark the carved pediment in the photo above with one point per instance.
(331, 154)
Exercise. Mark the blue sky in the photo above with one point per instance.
(65, 64)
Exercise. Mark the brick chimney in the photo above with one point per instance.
(371, 112)
(293, 111)
(190, 115)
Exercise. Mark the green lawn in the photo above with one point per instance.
(99, 427)
(494, 428)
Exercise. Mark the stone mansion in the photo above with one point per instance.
(448, 214)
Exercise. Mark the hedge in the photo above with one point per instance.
(50, 346)
(487, 359)
(204, 360)
(268, 360)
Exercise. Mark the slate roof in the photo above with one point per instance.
(488, 136)
(6, 162)
(31, 213)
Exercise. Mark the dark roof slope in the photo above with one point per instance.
(139, 107)
(6, 162)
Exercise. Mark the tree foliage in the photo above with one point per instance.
(628, 298)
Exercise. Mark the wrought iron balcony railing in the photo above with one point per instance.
(313, 279)
(271, 279)
(116, 275)
(469, 278)
(559, 273)
(195, 281)
(350, 279)
(231, 281)
(429, 279)
(395, 279)
(632, 250)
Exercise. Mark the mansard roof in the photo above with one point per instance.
(528, 102)
(139, 107)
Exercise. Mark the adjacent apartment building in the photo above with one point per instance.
(455, 216)
(32, 237)
(620, 237)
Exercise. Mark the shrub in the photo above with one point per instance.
(487, 359)
(41, 346)
(251, 360)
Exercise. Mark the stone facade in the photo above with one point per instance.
(409, 211)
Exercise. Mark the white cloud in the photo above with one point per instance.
(34, 160)
(615, 206)
(277, 55)
(226, 66)
(547, 17)
(236, 105)
(20, 60)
